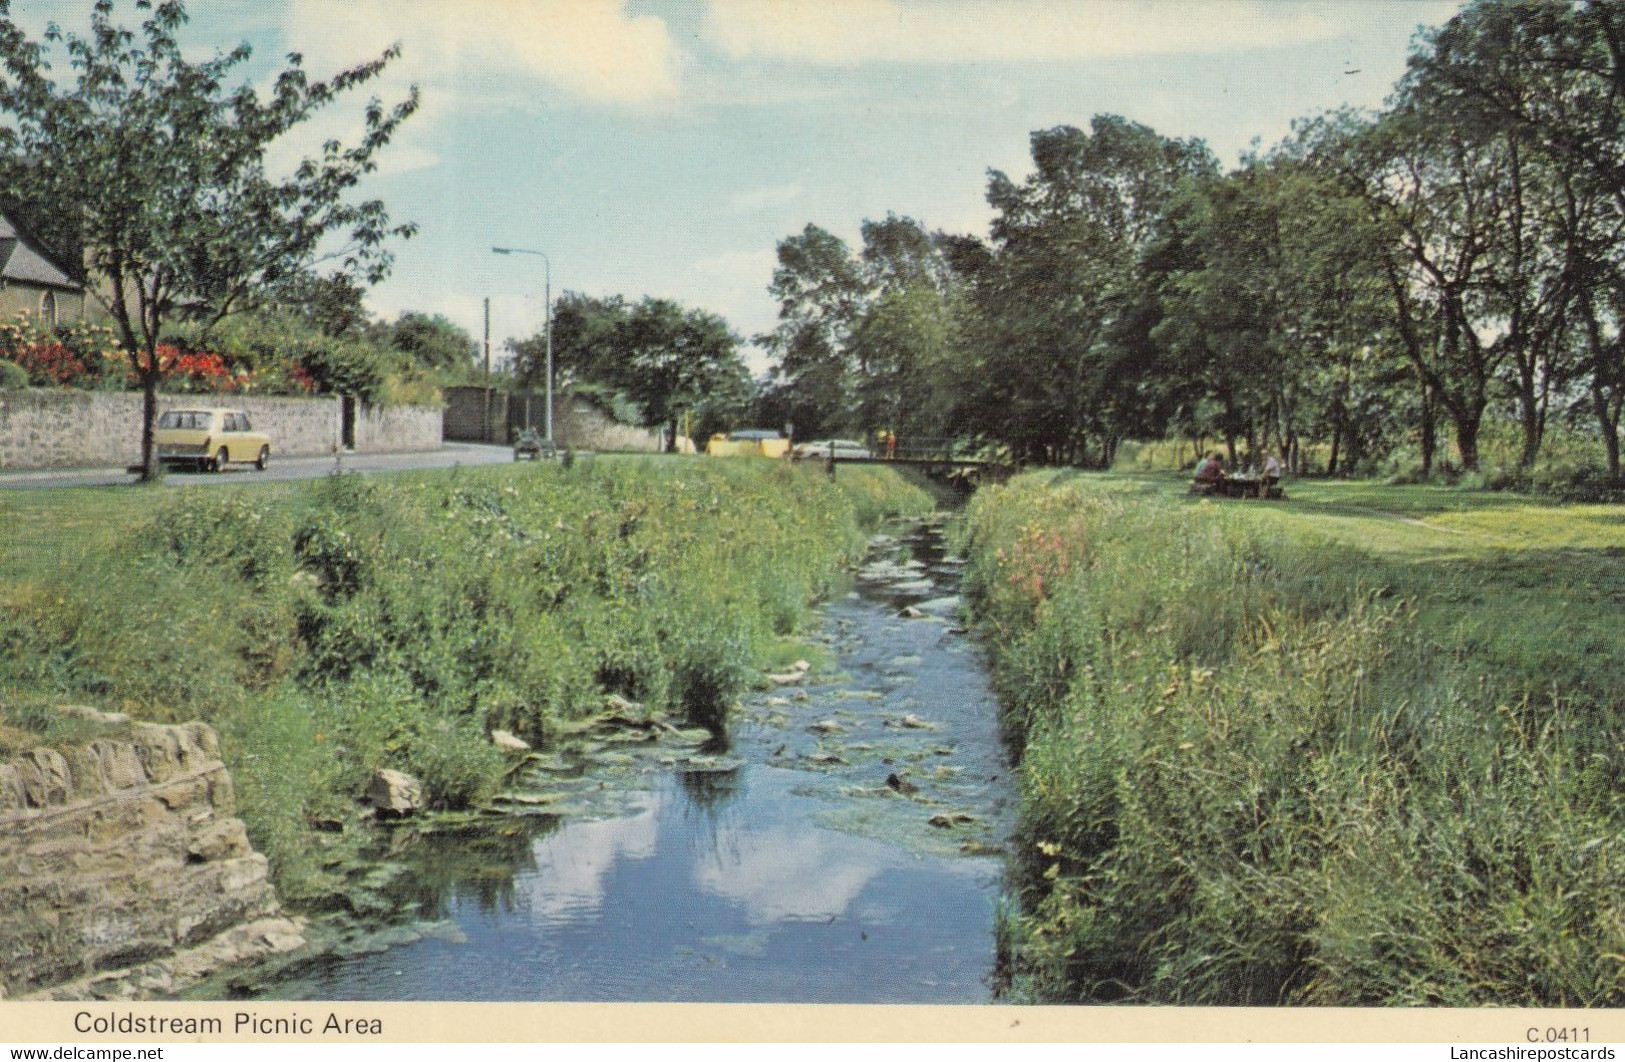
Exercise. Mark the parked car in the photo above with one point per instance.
(843, 448)
(529, 445)
(748, 442)
(209, 439)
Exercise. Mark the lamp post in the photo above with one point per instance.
(548, 262)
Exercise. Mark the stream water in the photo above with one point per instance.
(846, 848)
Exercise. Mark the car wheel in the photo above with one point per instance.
(263, 459)
(220, 460)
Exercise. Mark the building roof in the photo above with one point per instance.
(24, 261)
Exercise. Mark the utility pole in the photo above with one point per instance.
(485, 425)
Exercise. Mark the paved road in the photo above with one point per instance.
(282, 468)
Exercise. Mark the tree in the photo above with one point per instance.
(1497, 75)
(821, 290)
(433, 342)
(1269, 299)
(1548, 81)
(151, 170)
(905, 343)
(1067, 245)
(675, 361)
(328, 303)
(583, 343)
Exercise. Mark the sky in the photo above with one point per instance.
(664, 147)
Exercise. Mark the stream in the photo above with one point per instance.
(846, 848)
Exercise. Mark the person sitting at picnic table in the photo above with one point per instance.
(1209, 474)
(1269, 475)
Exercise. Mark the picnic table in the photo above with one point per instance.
(1241, 485)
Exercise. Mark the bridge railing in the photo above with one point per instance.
(915, 448)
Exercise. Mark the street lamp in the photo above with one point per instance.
(548, 262)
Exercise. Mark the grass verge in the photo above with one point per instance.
(331, 628)
(1363, 748)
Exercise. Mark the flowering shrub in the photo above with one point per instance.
(70, 355)
(196, 371)
(249, 355)
(49, 364)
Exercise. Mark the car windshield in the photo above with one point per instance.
(185, 420)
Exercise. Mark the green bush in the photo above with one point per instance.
(13, 377)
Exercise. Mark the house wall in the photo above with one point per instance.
(79, 429)
(18, 298)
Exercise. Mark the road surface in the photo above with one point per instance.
(282, 468)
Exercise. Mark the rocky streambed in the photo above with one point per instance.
(844, 846)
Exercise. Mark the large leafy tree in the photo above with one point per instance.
(821, 290)
(674, 361)
(666, 360)
(1496, 76)
(583, 348)
(152, 168)
(1270, 306)
(1546, 81)
(1068, 242)
(904, 344)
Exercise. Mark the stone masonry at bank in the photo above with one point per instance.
(123, 868)
(87, 429)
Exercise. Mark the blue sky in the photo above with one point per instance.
(662, 147)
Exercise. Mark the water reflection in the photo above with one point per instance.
(710, 791)
(799, 876)
(570, 866)
(478, 865)
(783, 873)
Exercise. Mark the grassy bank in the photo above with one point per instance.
(331, 628)
(1362, 748)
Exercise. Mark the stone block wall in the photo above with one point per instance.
(581, 424)
(578, 421)
(119, 853)
(86, 429)
(400, 429)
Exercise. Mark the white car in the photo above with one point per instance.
(842, 449)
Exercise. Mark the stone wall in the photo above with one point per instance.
(401, 429)
(475, 414)
(85, 429)
(582, 424)
(124, 854)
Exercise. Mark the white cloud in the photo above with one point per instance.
(592, 49)
(965, 31)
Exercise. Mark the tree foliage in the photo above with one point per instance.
(669, 362)
(151, 169)
(1374, 284)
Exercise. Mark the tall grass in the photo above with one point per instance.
(1259, 767)
(359, 623)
